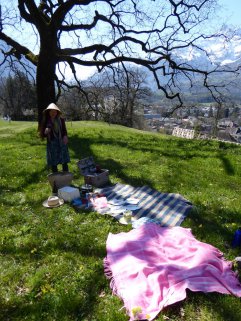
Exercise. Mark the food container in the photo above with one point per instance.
(68, 193)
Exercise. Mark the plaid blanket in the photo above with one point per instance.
(151, 267)
(166, 209)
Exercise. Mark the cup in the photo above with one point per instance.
(127, 215)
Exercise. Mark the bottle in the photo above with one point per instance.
(237, 238)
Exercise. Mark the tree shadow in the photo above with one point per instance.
(30, 178)
(225, 308)
(216, 229)
(63, 307)
(227, 165)
(62, 303)
(80, 309)
(81, 147)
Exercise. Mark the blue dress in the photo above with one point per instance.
(57, 151)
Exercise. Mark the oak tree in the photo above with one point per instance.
(75, 34)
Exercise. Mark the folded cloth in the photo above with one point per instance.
(151, 267)
(99, 202)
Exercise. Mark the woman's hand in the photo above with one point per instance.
(65, 140)
(47, 131)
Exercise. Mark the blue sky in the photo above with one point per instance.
(232, 9)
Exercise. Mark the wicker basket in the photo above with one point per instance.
(60, 179)
(87, 168)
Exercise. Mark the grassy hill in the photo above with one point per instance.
(52, 260)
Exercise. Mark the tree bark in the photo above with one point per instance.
(45, 75)
(45, 84)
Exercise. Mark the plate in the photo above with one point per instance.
(132, 200)
(117, 209)
(116, 202)
(132, 207)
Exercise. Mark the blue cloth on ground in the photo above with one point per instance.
(167, 209)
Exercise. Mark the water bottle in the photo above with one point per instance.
(237, 238)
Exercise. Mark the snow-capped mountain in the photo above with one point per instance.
(225, 53)
(218, 51)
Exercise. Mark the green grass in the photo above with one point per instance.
(52, 260)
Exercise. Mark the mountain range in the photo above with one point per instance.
(217, 54)
(225, 54)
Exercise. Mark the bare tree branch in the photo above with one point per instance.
(105, 33)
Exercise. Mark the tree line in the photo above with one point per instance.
(115, 96)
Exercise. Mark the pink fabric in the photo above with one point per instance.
(99, 202)
(151, 267)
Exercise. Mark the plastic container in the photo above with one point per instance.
(68, 193)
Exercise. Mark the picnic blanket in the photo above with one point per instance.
(151, 267)
(168, 209)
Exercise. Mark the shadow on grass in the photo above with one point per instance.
(82, 148)
(71, 306)
(76, 297)
(214, 225)
(30, 178)
(227, 165)
(66, 305)
(205, 305)
(227, 309)
(213, 228)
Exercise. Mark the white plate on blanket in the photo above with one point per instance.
(117, 209)
(132, 207)
(116, 202)
(132, 200)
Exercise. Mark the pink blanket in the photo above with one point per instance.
(151, 267)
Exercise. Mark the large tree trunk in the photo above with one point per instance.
(45, 78)
(45, 86)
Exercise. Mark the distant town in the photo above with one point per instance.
(209, 121)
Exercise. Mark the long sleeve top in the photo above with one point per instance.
(57, 128)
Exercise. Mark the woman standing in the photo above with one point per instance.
(54, 129)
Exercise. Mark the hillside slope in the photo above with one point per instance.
(52, 259)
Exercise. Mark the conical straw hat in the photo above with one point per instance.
(52, 106)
